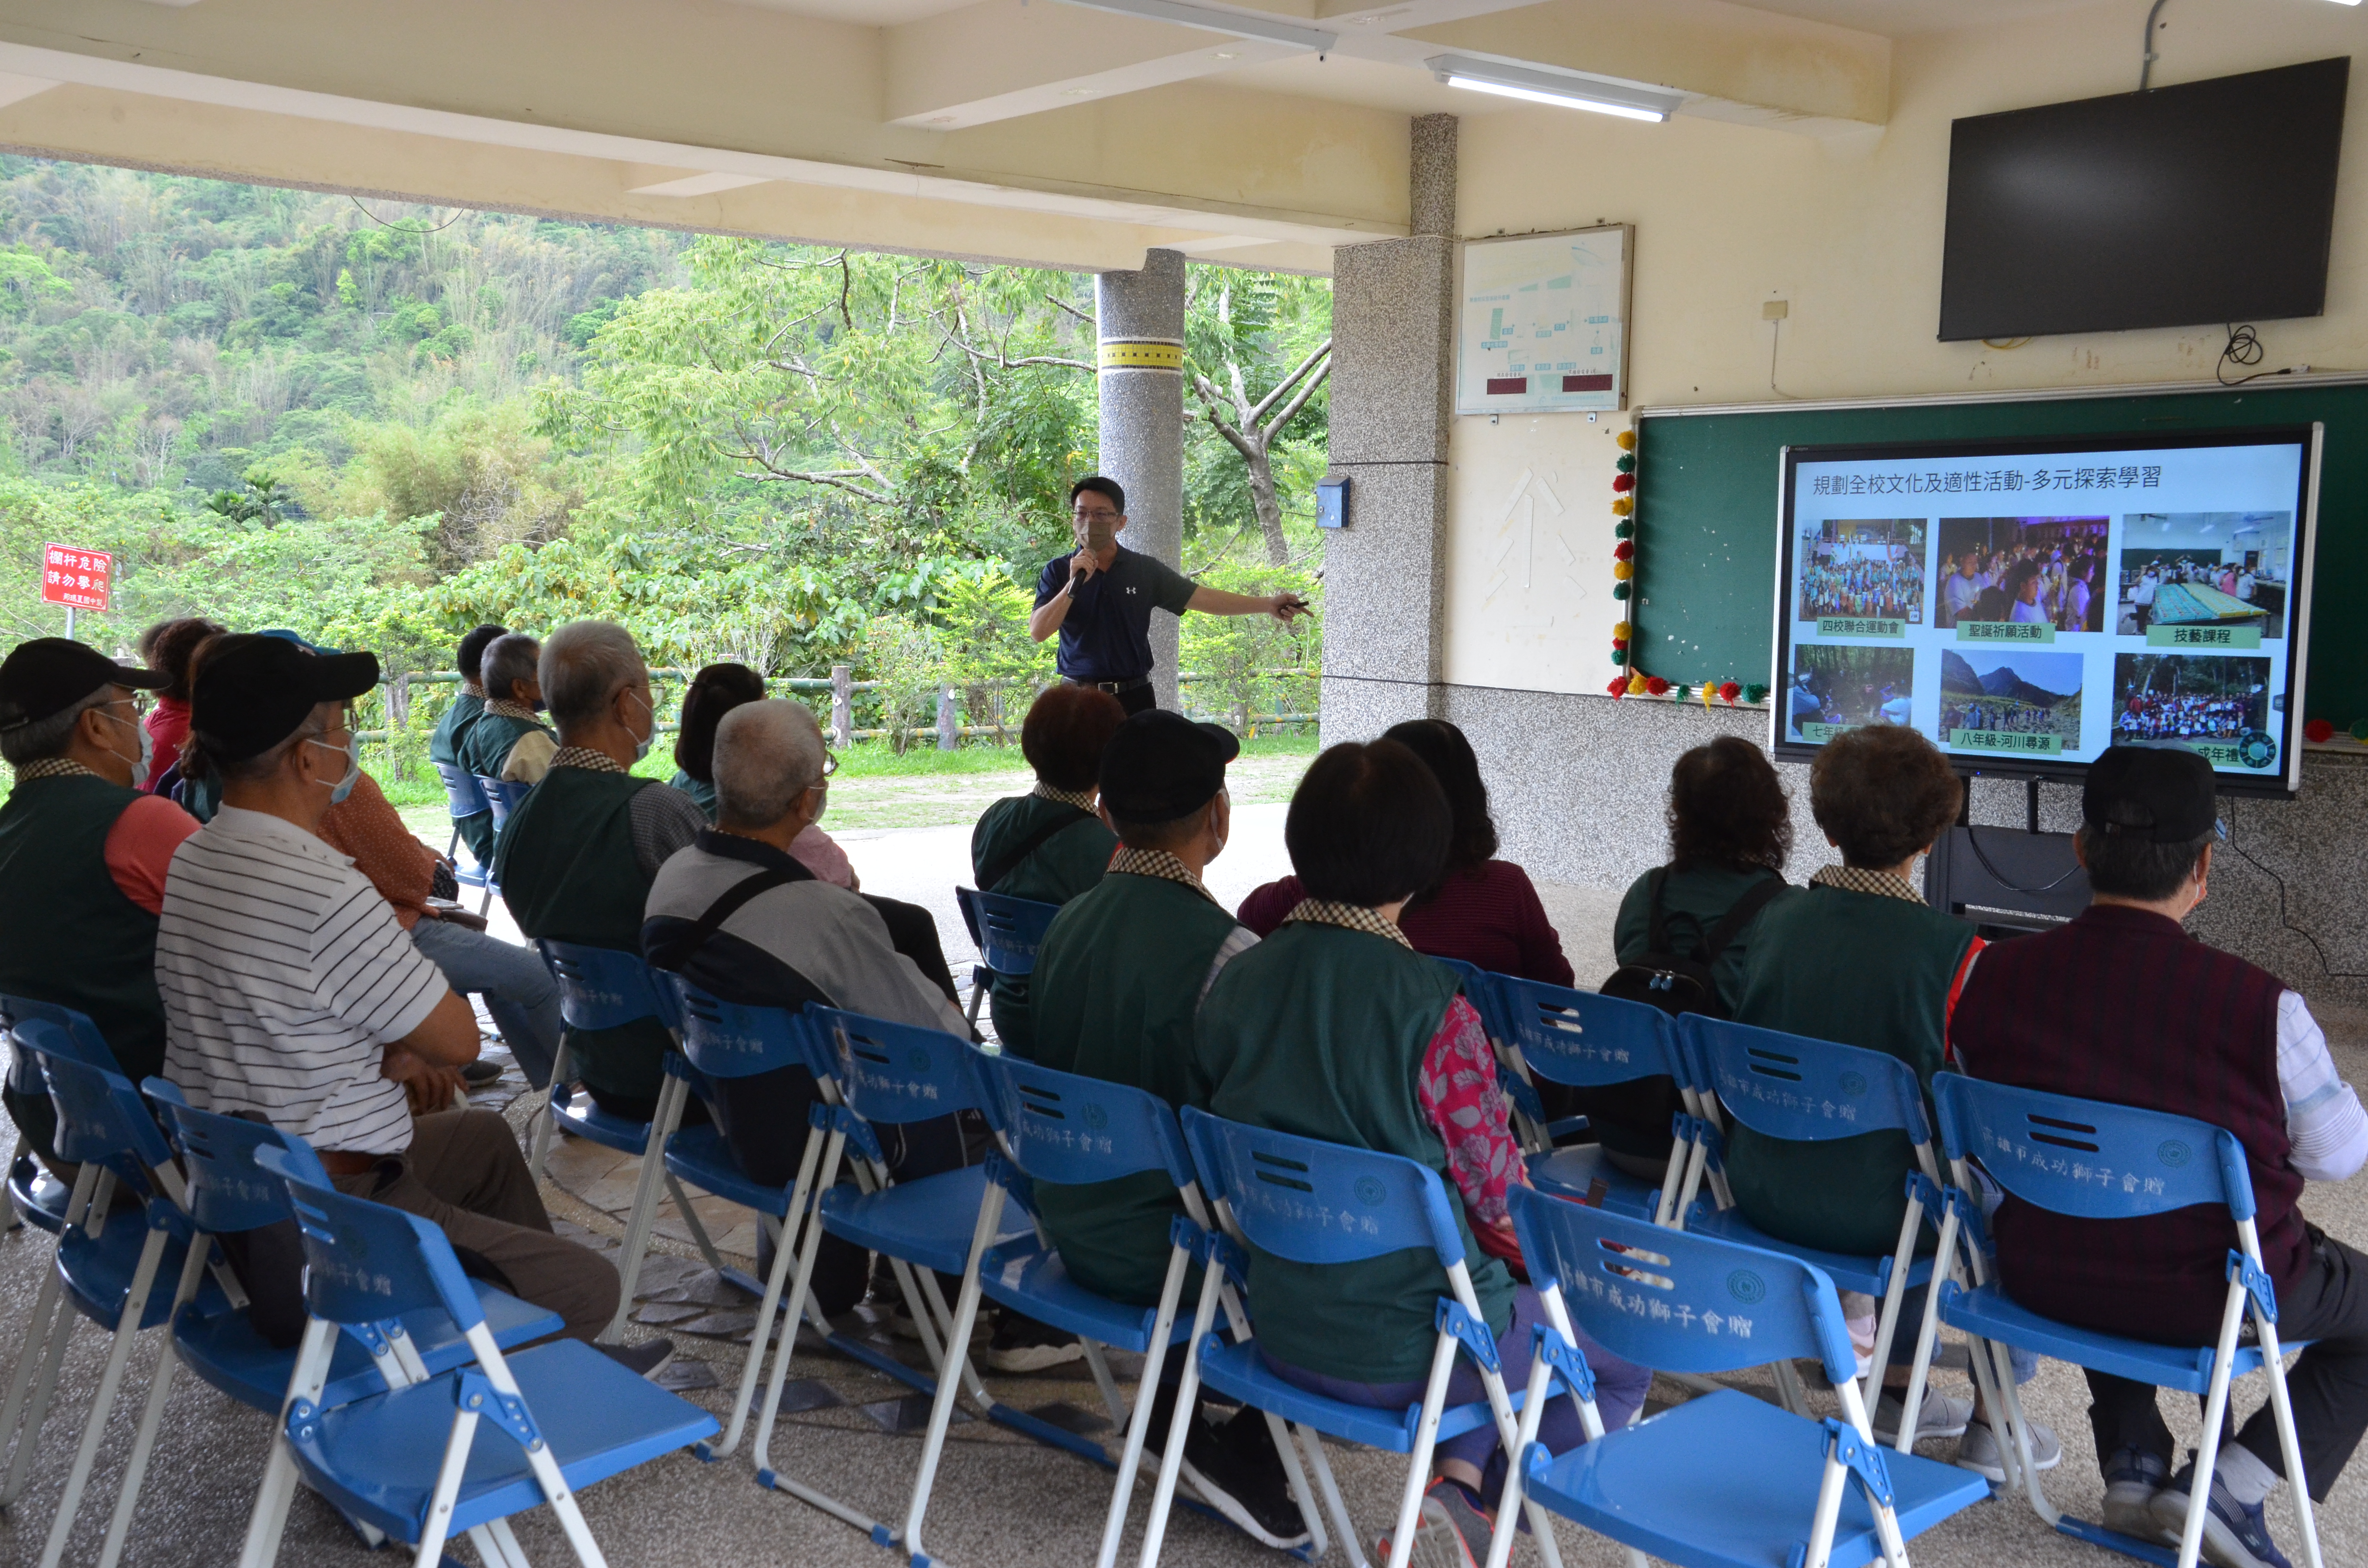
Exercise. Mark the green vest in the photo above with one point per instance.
(566, 866)
(1857, 969)
(444, 749)
(1117, 980)
(1055, 871)
(67, 934)
(488, 745)
(701, 795)
(1320, 1031)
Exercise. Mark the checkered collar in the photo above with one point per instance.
(1354, 917)
(54, 767)
(584, 757)
(1158, 863)
(1081, 799)
(1859, 878)
(503, 708)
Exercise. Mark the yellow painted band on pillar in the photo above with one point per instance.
(1143, 354)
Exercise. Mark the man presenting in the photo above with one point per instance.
(1100, 600)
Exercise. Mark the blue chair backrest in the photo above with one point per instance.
(731, 1039)
(1311, 1201)
(365, 1262)
(227, 1191)
(1064, 1128)
(82, 1039)
(100, 1115)
(603, 988)
(1487, 998)
(2090, 1159)
(501, 798)
(1580, 1038)
(1788, 1085)
(1679, 1301)
(1007, 930)
(891, 1072)
(462, 795)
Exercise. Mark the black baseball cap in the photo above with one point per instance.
(2163, 794)
(1161, 766)
(49, 675)
(254, 690)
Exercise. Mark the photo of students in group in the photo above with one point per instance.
(2215, 568)
(2009, 699)
(2043, 570)
(2175, 696)
(1835, 689)
(1872, 570)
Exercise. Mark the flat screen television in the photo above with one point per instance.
(2209, 201)
(2028, 604)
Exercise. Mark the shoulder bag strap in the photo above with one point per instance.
(1736, 918)
(1008, 861)
(1657, 927)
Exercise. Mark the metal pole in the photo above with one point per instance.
(949, 733)
(69, 623)
(842, 704)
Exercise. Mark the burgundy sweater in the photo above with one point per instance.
(1489, 915)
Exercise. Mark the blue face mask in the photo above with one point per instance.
(352, 752)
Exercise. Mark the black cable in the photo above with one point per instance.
(2244, 347)
(2332, 973)
(458, 213)
(1973, 838)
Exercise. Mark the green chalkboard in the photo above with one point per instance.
(1706, 513)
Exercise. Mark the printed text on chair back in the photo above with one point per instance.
(734, 1040)
(1063, 1127)
(1315, 1202)
(1581, 1039)
(602, 988)
(1808, 1090)
(227, 1191)
(2088, 1159)
(1009, 929)
(1679, 1301)
(364, 1261)
(892, 1072)
(100, 1115)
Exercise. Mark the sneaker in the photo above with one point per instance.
(1023, 1345)
(1447, 1530)
(2131, 1478)
(1940, 1416)
(2235, 1534)
(1978, 1450)
(646, 1360)
(480, 1072)
(1236, 1471)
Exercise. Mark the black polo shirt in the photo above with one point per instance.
(1107, 635)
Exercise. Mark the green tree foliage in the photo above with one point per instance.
(1250, 664)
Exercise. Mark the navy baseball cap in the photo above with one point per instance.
(1160, 765)
(2163, 794)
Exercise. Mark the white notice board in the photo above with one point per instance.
(1541, 323)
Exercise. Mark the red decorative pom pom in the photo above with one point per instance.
(1620, 645)
(1657, 686)
(1624, 550)
(1624, 482)
(1618, 687)
(1729, 691)
(2318, 731)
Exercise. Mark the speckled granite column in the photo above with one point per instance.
(1393, 320)
(1142, 384)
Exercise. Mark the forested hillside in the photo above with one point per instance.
(379, 424)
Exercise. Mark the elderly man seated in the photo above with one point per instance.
(290, 991)
(476, 829)
(508, 742)
(739, 916)
(577, 859)
(83, 857)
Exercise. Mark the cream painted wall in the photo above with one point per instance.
(1850, 234)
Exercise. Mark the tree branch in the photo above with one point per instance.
(1322, 351)
(1005, 362)
(1291, 411)
(1064, 305)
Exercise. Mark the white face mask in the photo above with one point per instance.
(641, 746)
(352, 752)
(147, 749)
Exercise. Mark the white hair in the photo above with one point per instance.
(506, 660)
(766, 755)
(585, 662)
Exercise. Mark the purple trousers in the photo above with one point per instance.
(1619, 1388)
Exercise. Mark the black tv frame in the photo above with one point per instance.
(2285, 785)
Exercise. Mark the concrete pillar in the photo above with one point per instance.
(1142, 384)
(1393, 390)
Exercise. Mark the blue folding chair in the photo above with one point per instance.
(407, 1461)
(502, 796)
(464, 796)
(605, 988)
(1315, 1202)
(1726, 1479)
(1529, 1113)
(1587, 1040)
(1058, 1127)
(2095, 1161)
(1812, 1091)
(1007, 931)
(33, 1193)
(107, 1271)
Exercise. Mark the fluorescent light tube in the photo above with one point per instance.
(1540, 87)
(1237, 24)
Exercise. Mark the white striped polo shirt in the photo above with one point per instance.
(285, 975)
